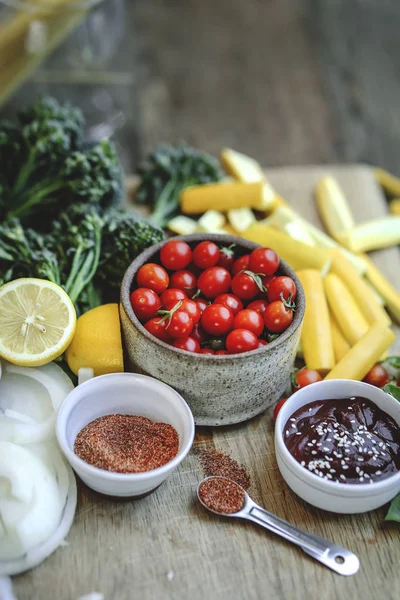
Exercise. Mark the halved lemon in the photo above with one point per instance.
(37, 321)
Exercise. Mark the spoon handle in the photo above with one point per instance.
(333, 556)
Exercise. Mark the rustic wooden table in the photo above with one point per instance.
(166, 546)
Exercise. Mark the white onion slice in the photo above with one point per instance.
(36, 393)
(30, 507)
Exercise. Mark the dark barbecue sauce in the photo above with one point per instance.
(345, 440)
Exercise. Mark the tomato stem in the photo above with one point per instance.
(167, 314)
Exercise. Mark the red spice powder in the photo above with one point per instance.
(218, 464)
(221, 495)
(126, 443)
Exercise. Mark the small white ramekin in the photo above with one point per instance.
(123, 393)
(331, 495)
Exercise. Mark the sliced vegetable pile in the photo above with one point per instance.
(210, 300)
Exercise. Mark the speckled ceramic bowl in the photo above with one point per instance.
(220, 390)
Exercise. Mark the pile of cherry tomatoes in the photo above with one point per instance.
(209, 301)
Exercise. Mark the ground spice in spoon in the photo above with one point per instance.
(218, 464)
(221, 495)
(126, 443)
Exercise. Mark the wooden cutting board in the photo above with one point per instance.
(167, 547)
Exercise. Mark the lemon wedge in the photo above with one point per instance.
(37, 321)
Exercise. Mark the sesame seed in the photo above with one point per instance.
(313, 452)
(293, 420)
(345, 467)
(342, 476)
(378, 472)
(303, 463)
(298, 433)
(325, 448)
(287, 432)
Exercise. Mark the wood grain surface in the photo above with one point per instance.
(166, 546)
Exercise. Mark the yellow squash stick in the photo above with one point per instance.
(351, 321)
(248, 170)
(225, 196)
(394, 206)
(383, 287)
(316, 335)
(340, 344)
(362, 357)
(362, 294)
(333, 207)
(390, 183)
(372, 235)
(297, 254)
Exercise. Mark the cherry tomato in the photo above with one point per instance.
(184, 280)
(258, 305)
(192, 309)
(206, 255)
(179, 324)
(217, 343)
(214, 281)
(222, 352)
(198, 333)
(231, 301)
(201, 303)
(241, 340)
(158, 328)
(207, 351)
(189, 344)
(264, 260)
(153, 276)
(282, 285)
(226, 257)
(267, 280)
(217, 319)
(278, 408)
(261, 343)
(145, 303)
(305, 377)
(240, 264)
(244, 286)
(277, 317)
(249, 319)
(377, 376)
(171, 296)
(175, 255)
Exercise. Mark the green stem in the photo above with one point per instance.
(34, 199)
(24, 174)
(165, 203)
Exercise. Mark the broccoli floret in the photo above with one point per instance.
(167, 171)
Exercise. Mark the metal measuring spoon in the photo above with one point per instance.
(331, 555)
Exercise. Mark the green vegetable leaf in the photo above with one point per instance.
(393, 361)
(393, 389)
(394, 510)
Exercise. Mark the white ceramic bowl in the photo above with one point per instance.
(331, 495)
(123, 393)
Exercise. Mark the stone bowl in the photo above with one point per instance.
(223, 389)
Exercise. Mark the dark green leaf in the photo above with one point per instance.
(393, 389)
(394, 510)
(393, 361)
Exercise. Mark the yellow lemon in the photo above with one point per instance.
(37, 321)
(97, 342)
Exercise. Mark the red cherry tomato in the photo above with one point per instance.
(231, 301)
(214, 281)
(306, 377)
(207, 351)
(201, 303)
(244, 286)
(222, 352)
(377, 376)
(158, 328)
(240, 264)
(226, 257)
(277, 317)
(241, 340)
(250, 320)
(261, 343)
(258, 305)
(217, 319)
(179, 324)
(267, 280)
(206, 255)
(189, 344)
(192, 309)
(264, 260)
(184, 280)
(153, 276)
(145, 303)
(198, 333)
(282, 285)
(171, 296)
(175, 255)
(278, 408)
